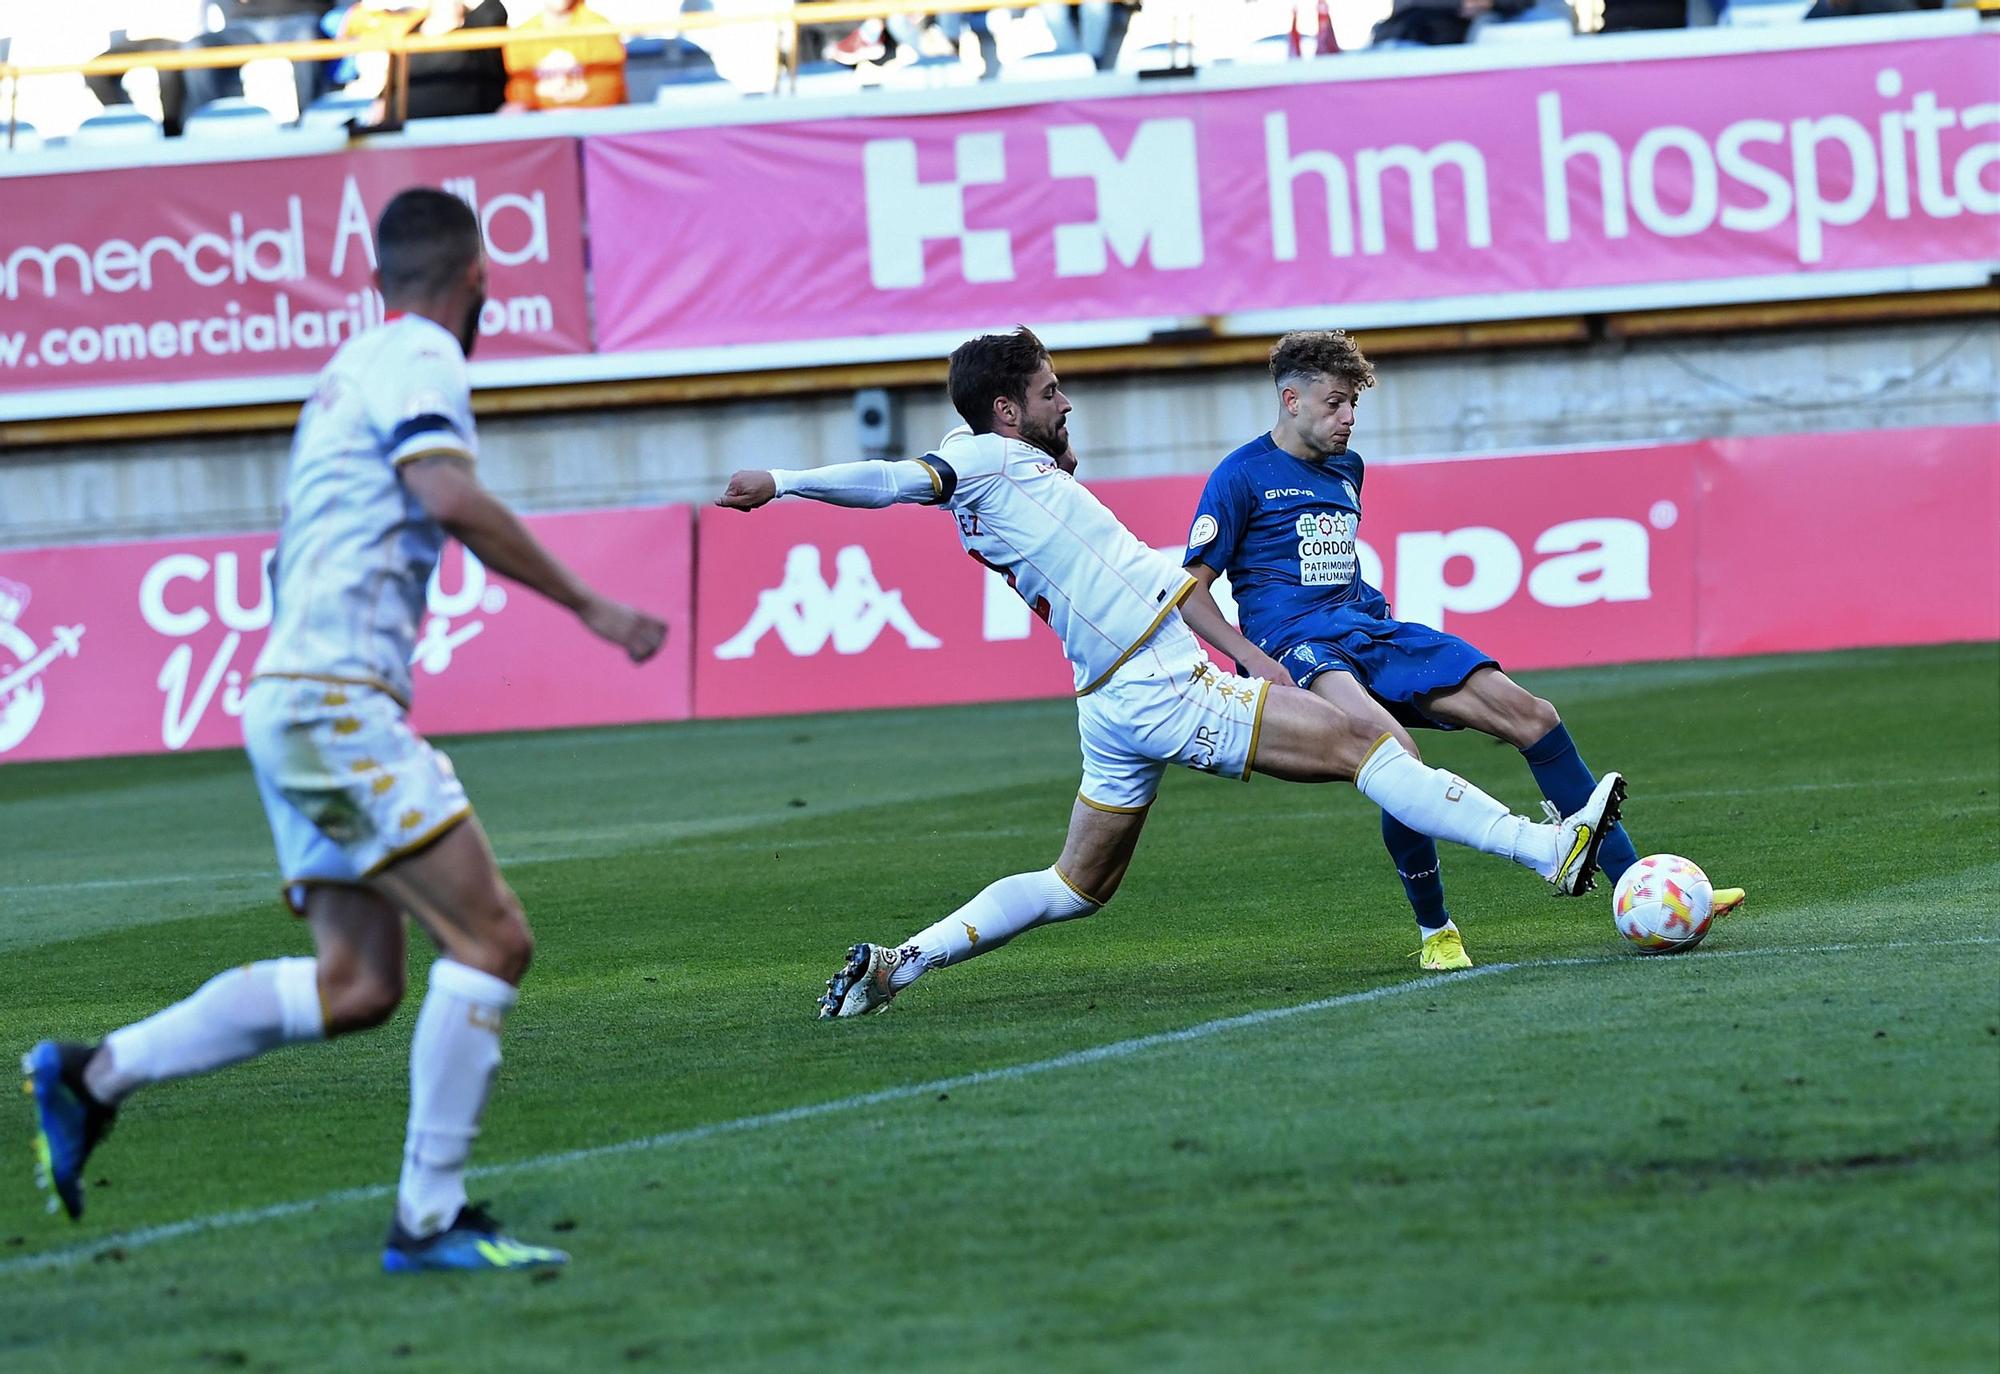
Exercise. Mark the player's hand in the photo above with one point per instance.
(638, 634)
(748, 490)
(1257, 663)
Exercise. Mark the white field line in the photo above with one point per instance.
(1117, 1049)
(567, 854)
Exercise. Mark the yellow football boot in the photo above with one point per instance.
(1443, 949)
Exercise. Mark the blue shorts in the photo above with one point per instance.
(1398, 661)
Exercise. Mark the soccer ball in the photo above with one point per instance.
(1662, 904)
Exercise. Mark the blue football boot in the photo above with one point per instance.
(472, 1241)
(68, 1120)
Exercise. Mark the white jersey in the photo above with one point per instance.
(1101, 589)
(357, 549)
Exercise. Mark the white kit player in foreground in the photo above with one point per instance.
(370, 822)
(1147, 693)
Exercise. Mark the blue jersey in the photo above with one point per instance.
(1285, 531)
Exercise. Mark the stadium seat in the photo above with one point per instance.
(1763, 13)
(1545, 23)
(1157, 57)
(232, 116)
(696, 88)
(1269, 50)
(827, 78)
(118, 125)
(1050, 66)
(931, 73)
(651, 63)
(336, 111)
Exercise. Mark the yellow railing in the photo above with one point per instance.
(787, 18)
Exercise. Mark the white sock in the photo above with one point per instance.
(232, 1017)
(453, 1059)
(1002, 910)
(1445, 807)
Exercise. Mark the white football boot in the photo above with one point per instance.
(1583, 832)
(862, 985)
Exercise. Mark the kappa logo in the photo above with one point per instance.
(22, 664)
(806, 613)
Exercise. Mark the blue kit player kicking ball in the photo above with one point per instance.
(1282, 516)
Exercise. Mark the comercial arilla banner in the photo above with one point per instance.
(146, 648)
(219, 271)
(1716, 548)
(1338, 199)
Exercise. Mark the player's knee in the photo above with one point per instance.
(508, 944)
(359, 995)
(1079, 890)
(1537, 718)
(519, 951)
(1352, 738)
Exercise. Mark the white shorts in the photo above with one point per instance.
(347, 785)
(1169, 703)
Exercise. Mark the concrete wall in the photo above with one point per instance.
(1892, 376)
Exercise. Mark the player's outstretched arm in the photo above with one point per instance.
(871, 483)
(1205, 618)
(446, 488)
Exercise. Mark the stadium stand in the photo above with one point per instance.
(231, 117)
(117, 124)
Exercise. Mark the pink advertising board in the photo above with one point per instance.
(146, 648)
(1818, 541)
(1734, 546)
(185, 273)
(1716, 548)
(1519, 190)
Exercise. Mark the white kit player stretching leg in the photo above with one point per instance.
(1147, 693)
(371, 823)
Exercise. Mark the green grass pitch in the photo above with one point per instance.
(1781, 1152)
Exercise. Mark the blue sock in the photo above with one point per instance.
(1565, 780)
(1416, 859)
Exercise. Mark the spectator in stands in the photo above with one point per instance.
(1629, 16)
(165, 28)
(277, 21)
(470, 81)
(558, 73)
(1837, 9)
(979, 25)
(817, 42)
(1437, 23)
(1096, 27)
(386, 19)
